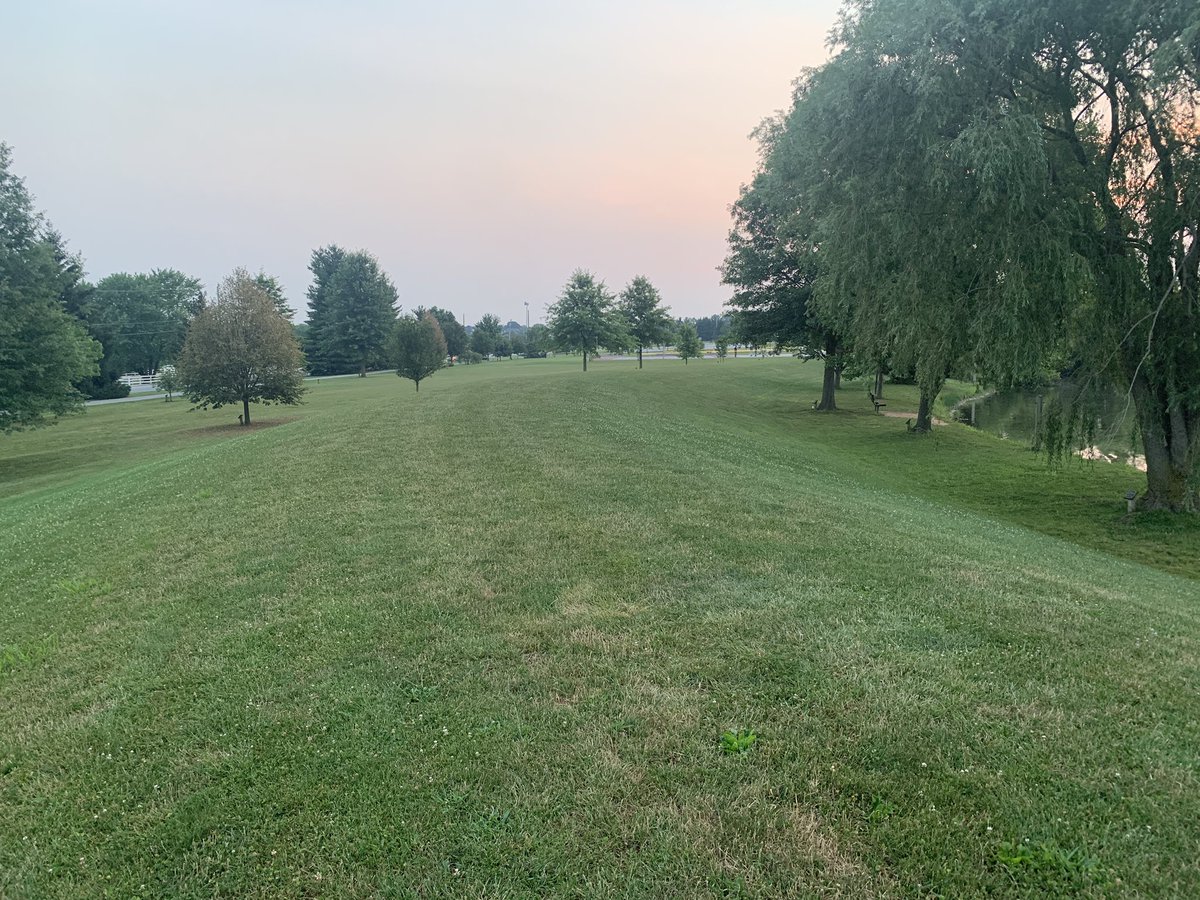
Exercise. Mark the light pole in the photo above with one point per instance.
(526, 315)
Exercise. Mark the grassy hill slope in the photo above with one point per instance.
(483, 640)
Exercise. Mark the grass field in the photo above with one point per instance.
(483, 641)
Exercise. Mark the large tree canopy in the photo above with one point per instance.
(772, 261)
(352, 309)
(1117, 86)
(944, 242)
(44, 350)
(1045, 159)
(141, 319)
(985, 183)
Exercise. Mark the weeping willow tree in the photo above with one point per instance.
(904, 207)
(1118, 86)
(1071, 131)
(996, 183)
(941, 235)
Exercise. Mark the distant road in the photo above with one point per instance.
(144, 395)
(150, 395)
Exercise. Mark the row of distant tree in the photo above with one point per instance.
(63, 338)
(352, 316)
(57, 325)
(241, 349)
(58, 328)
(587, 318)
(352, 308)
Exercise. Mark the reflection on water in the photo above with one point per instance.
(1015, 414)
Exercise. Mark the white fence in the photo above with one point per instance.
(136, 380)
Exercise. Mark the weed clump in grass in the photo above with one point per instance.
(1047, 865)
(881, 810)
(738, 741)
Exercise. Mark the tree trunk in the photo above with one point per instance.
(362, 370)
(1166, 486)
(585, 360)
(639, 356)
(1172, 445)
(1038, 433)
(828, 400)
(417, 382)
(879, 383)
(245, 411)
(924, 412)
(837, 378)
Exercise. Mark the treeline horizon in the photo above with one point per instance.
(64, 339)
(139, 319)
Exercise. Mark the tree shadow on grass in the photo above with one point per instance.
(237, 428)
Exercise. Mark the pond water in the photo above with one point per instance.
(1014, 414)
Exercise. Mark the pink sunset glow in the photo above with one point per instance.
(481, 151)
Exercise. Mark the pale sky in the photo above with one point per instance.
(482, 151)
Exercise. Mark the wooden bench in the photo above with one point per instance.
(879, 404)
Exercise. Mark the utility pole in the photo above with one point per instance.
(526, 315)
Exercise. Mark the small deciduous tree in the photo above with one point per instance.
(241, 350)
(584, 319)
(169, 383)
(687, 343)
(722, 345)
(418, 347)
(646, 318)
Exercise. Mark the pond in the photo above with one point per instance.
(1015, 414)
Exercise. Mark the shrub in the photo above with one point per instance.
(112, 390)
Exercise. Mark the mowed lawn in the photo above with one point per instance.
(482, 641)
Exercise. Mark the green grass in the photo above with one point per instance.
(485, 641)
